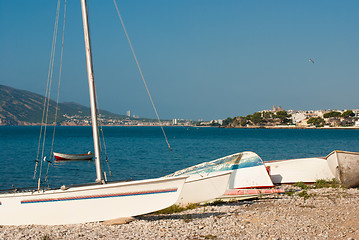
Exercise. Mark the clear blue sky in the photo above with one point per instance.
(202, 59)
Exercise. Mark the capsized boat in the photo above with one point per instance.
(307, 170)
(344, 166)
(92, 202)
(248, 170)
(73, 157)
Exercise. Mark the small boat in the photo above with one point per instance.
(73, 157)
(248, 170)
(345, 167)
(307, 170)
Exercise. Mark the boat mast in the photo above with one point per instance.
(96, 139)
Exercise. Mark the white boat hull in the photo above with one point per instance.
(250, 177)
(89, 203)
(72, 157)
(203, 187)
(345, 167)
(248, 170)
(307, 170)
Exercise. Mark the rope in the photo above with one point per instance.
(45, 99)
(47, 95)
(103, 139)
(104, 145)
(143, 79)
(49, 162)
(59, 84)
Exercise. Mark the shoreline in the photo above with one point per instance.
(258, 127)
(326, 213)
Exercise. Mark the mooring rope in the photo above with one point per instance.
(143, 79)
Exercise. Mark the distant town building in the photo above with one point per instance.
(278, 109)
(174, 121)
(356, 112)
(298, 117)
(128, 113)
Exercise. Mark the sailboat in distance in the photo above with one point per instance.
(98, 201)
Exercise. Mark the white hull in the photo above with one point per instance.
(89, 203)
(307, 170)
(345, 167)
(200, 188)
(248, 170)
(250, 177)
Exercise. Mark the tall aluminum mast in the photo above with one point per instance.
(91, 80)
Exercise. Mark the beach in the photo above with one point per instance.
(324, 213)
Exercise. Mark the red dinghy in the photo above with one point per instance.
(73, 157)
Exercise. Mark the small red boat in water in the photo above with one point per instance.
(73, 157)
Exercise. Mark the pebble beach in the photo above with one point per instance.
(324, 213)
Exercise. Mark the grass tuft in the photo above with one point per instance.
(176, 209)
(304, 194)
(289, 193)
(301, 185)
(321, 183)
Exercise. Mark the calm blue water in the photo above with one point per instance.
(141, 152)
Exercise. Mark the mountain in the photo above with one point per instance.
(21, 107)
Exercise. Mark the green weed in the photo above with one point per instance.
(171, 209)
(176, 208)
(304, 194)
(289, 193)
(321, 183)
(301, 185)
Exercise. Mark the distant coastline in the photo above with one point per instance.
(192, 126)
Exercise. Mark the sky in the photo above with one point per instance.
(202, 59)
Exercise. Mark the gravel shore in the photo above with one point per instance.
(326, 213)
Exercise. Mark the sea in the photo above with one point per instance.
(142, 152)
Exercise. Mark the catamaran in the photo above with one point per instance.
(92, 202)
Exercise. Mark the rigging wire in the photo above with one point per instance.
(103, 137)
(104, 145)
(58, 92)
(47, 97)
(143, 79)
(46, 93)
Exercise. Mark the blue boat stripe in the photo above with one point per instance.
(98, 196)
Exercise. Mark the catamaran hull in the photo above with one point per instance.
(89, 203)
(201, 188)
(307, 170)
(345, 167)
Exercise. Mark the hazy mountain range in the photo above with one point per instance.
(21, 107)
